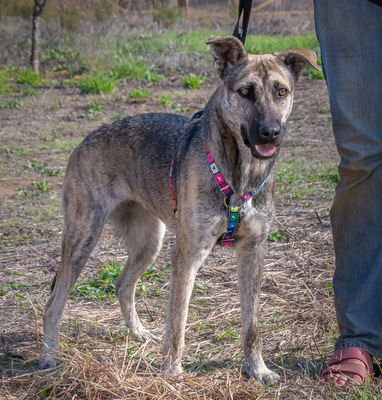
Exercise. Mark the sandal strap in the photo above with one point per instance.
(356, 369)
(350, 353)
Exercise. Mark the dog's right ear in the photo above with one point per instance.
(227, 51)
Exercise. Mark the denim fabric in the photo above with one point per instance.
(350, 36)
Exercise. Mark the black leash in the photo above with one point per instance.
(240, 30)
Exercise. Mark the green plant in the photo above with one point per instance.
(117, 115)
(44, 185)
(94, 106)
(102, 287)
(29, 77)
(97, 82)
(192, 81)
(275, 235)
(164, 100)
(141, 92)
(44, 168)
(14, 104)
(136, 70)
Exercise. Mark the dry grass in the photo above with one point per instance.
(99, 359)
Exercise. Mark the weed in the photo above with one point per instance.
(164, 100)
(44, 185)
(29, 77)
(192, 81)
(275, 235)
(44, 168)
(14, 104)
(94, 106)
(102, 287)
(97, 82)
(331, 177)
(117, 115)
(141, 92)
(136, 70)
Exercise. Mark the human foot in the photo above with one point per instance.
(351, 365)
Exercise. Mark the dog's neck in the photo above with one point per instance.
(241, 170)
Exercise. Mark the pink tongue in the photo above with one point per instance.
(266, 149)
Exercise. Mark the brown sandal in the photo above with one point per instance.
(350, 353)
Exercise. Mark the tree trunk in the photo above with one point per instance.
(35, 57)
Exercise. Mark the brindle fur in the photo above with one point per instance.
(120, 173)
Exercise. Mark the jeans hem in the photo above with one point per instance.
(373, 352)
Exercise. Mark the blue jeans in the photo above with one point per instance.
(350, 36)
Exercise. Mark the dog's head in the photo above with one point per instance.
(258, 91)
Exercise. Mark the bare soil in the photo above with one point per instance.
(100, 361)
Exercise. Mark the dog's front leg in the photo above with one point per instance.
(185, 263)
(249, 263)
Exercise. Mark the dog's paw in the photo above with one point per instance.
(46, 362)
(171, 368)
(143, 335)
(261, 373)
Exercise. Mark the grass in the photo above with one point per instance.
(297, 319)
(192, 81)
(97, 82)
(139, 93)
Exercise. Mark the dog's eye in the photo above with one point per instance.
(283, 92)
(245, 92)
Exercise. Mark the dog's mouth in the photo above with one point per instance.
(264, 150)
(261, 151)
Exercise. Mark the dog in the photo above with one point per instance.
(220, 190)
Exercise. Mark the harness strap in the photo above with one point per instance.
(233, 212)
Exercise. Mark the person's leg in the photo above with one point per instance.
(350, 35)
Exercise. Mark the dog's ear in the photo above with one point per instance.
(297, 59)
(227, 51)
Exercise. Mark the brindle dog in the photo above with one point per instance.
(120, 173)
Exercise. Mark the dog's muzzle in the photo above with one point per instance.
(265, 140)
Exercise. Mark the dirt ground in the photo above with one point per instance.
(297, 317)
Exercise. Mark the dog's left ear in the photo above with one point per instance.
(297, 59)
(227, 51)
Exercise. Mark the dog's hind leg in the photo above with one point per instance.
(82, 228)
(143, 234)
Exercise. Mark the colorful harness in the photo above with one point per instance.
(233, 211)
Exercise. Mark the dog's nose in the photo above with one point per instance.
(269, 133)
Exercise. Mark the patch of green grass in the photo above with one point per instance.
(138, 93)
(29, 77)
(136, 70)
(117, 115)
(97, 82)
(44, 168)
(102, 287)
(43, 186)
(164, 100)
(262, 44)
(94, 106)
(65, 145)
(14, 104)
(192, 81)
